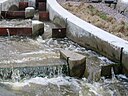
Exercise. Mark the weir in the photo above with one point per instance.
(50, 64)
(35, 29)
(44, 68)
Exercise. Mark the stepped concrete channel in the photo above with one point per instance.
(90, 36)
(32, 63)
(30, 59)
(78, 31)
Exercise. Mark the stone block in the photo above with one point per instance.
(76, 62)
(29, 12)
(37, 28)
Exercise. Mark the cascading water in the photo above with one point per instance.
(8, 32)
(50, 80)
(21, 73)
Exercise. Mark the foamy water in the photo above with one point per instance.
(71, 86)
(24, 50)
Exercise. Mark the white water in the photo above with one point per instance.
(79, 87)
(60, 86)
(28, 49)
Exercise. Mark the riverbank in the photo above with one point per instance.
(101, 16)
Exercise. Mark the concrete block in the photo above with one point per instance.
(37, 2)
(76, 62)
(37, 28)
(42, 6)
(23, 5)
(44, 16)
(58, 32)
(108, 70)
(29, 12)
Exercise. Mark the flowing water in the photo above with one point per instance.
(21, 51)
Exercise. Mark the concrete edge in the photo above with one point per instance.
(90, 36)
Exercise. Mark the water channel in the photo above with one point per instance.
(24, 50)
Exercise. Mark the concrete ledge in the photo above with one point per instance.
(77, 62)
(13, 14)
(90, 36)
(34, 29)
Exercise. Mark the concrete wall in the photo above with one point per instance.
(88, 35)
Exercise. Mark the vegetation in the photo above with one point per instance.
(100, 19)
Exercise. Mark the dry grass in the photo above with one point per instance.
(104, 21)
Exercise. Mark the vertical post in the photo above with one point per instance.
(109, 5)
(121, 55)
(68, 66)
(66, 23)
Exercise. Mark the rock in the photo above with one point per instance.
(29, 12)
(77, 62)
(37, 28)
